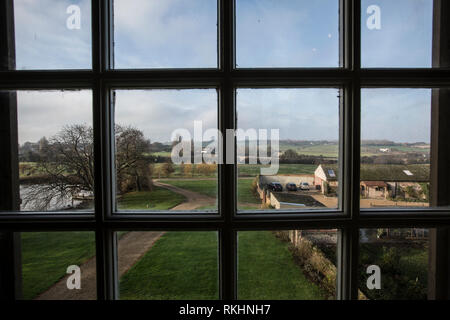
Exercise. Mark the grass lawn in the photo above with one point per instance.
(209, 188)
(205, 187)
(181, 265)
(46, 256)
(266, 270)
(157, 199)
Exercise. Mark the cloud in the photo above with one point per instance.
(165, 34)
(45, 113)
(159, 112)
(284, 33)
(405, 37)
(299, 114)
(43, 40)
(178, 33)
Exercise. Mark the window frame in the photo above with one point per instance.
(348, 219)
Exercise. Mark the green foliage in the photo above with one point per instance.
(425, 187)
(167, 169)
(411, 192)
(401, 278)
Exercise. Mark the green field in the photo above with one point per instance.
(367, 150)
(325, 150)
(331, 150)
(209, 188)
(157, 199)
(252, 170)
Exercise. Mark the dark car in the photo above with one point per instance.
(275, 186)
(291, 187)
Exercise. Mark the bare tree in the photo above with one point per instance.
(66, 164)
(132, 166)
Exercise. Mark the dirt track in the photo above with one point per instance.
(194, 200)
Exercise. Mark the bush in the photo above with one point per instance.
(395, 283)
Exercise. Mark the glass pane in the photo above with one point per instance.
(395, 147)
(159, 265)
(287, 265)
(396, 33)
(393, 264)
(53, 34)
(58, 265)
(165, 151)
(55, 146)
(287, 33)
(287, 148)
(165, 34)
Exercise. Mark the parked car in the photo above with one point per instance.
(291, 187)
(275, 186)
(304, 186)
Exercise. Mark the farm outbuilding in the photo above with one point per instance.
(380, 180)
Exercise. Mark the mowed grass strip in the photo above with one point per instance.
(157, 199)
(46, 256)
(180, 265)
(267, 271)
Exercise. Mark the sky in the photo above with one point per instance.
(269, 33)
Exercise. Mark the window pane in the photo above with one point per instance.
(287, 265)
(55, 145)
(165, 34)
(396, 33)
(295, 167)
(393, 264)
(158, 265)
(58, 266)
(53, 34)
(297, 33)
(163, 159)
(395, 147)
